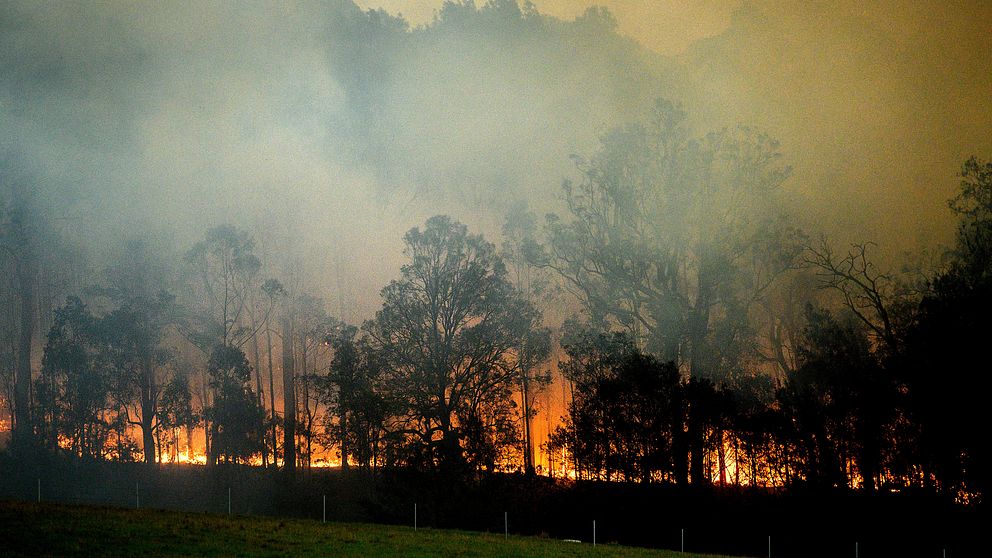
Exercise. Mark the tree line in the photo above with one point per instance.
(712, 339)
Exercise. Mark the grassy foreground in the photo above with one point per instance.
(28, 529)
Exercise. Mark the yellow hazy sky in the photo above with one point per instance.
(669, 26)
(643, 20)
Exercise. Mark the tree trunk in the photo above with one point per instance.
(528, 446)
(721, 457)
(207, 446)
(272, 395)
(147, 408)
(259, 392)
(306, 400)
(22, 386)
(289, 400)
(343, 424)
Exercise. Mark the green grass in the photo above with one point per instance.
(28, 529)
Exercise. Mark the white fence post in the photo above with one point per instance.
(594, 532)
(325, 509)
(506, 526)
(414, 516)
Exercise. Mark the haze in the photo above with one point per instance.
(164, 120)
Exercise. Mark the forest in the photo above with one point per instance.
(737, 352)
(497, 248)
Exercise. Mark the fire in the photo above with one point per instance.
(184, 457)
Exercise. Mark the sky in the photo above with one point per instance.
(664, 26)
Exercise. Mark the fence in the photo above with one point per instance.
(593, 514)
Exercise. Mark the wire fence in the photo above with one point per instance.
(236, 492)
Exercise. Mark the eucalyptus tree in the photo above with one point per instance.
(674, 239)
(176, 411)
(222, 286)
(236, 418)
(19, 227)
(357, 400)
(448, 333)
(311, 328)
(625, 418)
(839, 402)
(274, 292)
(73, 389)
(519, 248)
(137, 364)
(134, 336)
(222, 271)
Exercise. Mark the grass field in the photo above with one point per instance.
(28, 529)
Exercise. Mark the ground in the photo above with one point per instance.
(28, 529)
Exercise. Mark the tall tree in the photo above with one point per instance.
(675, 239)
(356, 399)
(274, 292)
(176, 410)
(627, 412)
(520, 248)
(73, 388)
(222, 275)
(137, 363)
(943, 361)
(134, 334)
(18, 229)
(222, 282)
(236, 417)
(447, 332)
(841, 401)
(288, 396)
(311, 325)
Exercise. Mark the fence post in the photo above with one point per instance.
(594, 532)
(414, 516)
(325, 509)
(228, 500)
(506, 526)
(683, 541)
(39, 490)
(137, 498)
(769, 546)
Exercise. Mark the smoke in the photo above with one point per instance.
(328, 131)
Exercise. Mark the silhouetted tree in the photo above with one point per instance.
(674, 239)
(626, 417)
(235, 417)
(945, 353)
(19, 224)
(520, 249)
(358, 407)
(222, 283)
(841, 402)
(133, 335)
(73, 388)
(447, 334)
(176, 410)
